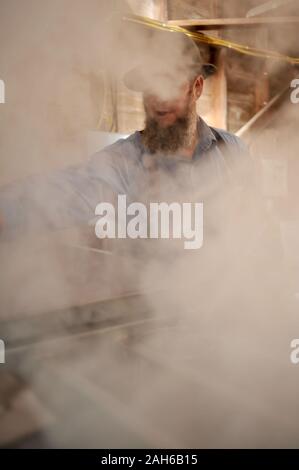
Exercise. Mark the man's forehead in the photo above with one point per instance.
(166, 85)
(164, 81)
(169, 56)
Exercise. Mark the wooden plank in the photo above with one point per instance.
(262, 91)
(267, 6)
(221, 23)
(259, 121)
(219, 92)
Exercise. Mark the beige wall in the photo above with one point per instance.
(62, 63)
(51, 62)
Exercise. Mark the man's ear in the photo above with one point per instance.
(198, 87)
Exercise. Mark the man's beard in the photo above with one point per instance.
(170, 139)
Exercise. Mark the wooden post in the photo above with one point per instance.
(219, 91)
(160, 10)
(262, 92)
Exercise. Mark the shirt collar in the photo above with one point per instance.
(206, 138)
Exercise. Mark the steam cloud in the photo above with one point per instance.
(211, 368)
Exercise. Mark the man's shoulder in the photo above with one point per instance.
(228, 138)
(235, 152)
(122, 145)
(114, 163)
(126, 147)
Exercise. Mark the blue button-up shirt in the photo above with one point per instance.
(68, 197)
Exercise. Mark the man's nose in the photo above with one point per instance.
(164, 96)
(162, 103)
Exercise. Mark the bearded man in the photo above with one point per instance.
(176, 148)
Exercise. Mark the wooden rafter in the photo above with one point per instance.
(221, 23)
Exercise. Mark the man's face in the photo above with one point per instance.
(170, 117)
(166, 110)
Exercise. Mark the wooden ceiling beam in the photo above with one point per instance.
(222, 23)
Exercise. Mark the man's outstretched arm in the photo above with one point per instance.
(59, 200)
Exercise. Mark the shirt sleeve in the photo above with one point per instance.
(61, 199)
